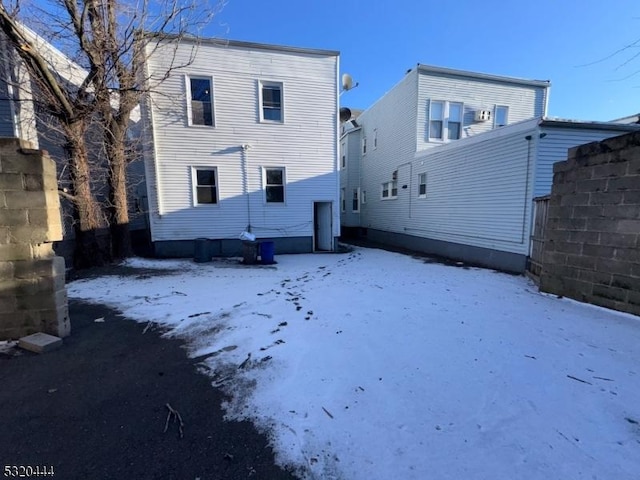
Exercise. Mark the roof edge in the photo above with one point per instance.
(482, 76)
(588, 125)
(220, 42)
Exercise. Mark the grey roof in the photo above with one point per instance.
(221, 42)
(482, 76)
(629, 119)
(588, 125)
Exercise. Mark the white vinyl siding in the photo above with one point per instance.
(350, 176)
(524, 102)
(306, 145)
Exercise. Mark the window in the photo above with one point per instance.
(436, 120)
(375, 139)
(501, 118)
(454, 123)
(390, 190)
(344, 156)
(274, 185)
(364, 197)
(201, 105)
(343, 200)
(445, 120)
(364, 145)
(355, 202)
(271, 102)
(205, 186)
(422, 185)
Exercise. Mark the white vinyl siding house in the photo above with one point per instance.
(351, 145)
(479, 191)
(272, 143)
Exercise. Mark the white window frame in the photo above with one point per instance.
(391, 185)
(343, 156)
(265, 185)
(375, 138)
(343, 200)
(422, 176)
(355, 198)
(363, 199)
(187, 81)
(445, 121)
(364, 145)
(194, 186)
(270, 83)
(495, 115)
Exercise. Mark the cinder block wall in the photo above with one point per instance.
(33, 296)
(592, 251)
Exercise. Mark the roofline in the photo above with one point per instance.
(482, 76)
(220, 42)
(587, 125)
(525, 126)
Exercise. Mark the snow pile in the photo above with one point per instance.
(374, 365)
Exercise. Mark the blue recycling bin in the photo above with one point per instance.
(267, 251)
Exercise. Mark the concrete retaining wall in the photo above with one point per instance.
(32, 288)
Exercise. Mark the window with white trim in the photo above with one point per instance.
(445, 120)
(390, 190)
(271, 102)
(205, 185)
(501, 117)
(274, 182)
(343, 200)
(355, 201)
(343, 156)
(375, 138)
(422, 185)
(201, 101)
(364, 197)
(364, 145)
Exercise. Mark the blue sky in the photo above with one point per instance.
(539, 39)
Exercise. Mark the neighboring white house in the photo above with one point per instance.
(449, 163)
(242, 137)
(472, 200)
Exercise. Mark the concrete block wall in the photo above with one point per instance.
(32, 287)
(592, 248)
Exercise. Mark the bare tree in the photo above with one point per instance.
(111, 39)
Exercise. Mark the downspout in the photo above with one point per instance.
(529, 178)
(245, 182)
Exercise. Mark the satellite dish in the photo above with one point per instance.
(347, 81)
(345, 114)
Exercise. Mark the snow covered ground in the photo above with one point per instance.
(375, 365)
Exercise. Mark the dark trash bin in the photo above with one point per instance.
(201, 251)
(267, 251)
(250, 252)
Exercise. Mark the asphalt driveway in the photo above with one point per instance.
(96, 409)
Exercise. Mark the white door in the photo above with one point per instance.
(322, 225)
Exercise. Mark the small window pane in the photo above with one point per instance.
(274, 177)
(206, 190)
(502, 114)
(454, 130)
(206, 177)
(207, 195)
(437, 111)
(275, 194)
(394, 189)
(455, 112)
(435, 129)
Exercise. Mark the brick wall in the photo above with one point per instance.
(592, 248)
(32, 288)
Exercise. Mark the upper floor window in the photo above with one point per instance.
(445, 120)
(343, 155)
(375, 139)
(364, 145)
(205, 186)
(355, 201)
(501, 117)
(274, 185)
(201, 105)
(271, 102)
